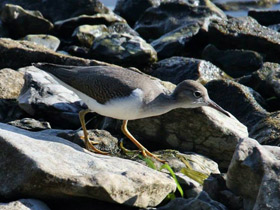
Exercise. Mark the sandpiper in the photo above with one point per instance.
(126, 94)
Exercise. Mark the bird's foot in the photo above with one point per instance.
(91, 141)
(90, 147)
(143, 150)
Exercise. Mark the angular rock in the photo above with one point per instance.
(202, 202)
(176, 42)
(48, 41)
(24, 204)
(123, 49)
(157, 21)
(235, 63)
(60, 9)
(66, 27)
(49, 167)
(239, 100)
(267, 130)
(11, 83)
(43, 97)
(132, 10)
(86, 34)
(244, 33)
(266, 17)
(176, 69)
(30, 124)
(122, 28)
(21, 22)
(16, 54)
(203, 130)
(190, 187)
(254, 174)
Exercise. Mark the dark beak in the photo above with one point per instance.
(217, 107)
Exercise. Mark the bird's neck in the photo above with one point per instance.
(160, 105)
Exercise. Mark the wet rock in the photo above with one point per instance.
(49, 167)
(48, 41)
(241, 101)
(30, 124)
(267, 130)
(122, 28)
(123, 49)
(66, 27)
(244, 33)
(202, 201)
(254, 174)
(177, 69)
(86, 34)
(59, 9)
(132, 10)
(43, 97)
(266, 80)
(157, 21)
(24, 204)
(16, 54)
(11, 83)
(21, 22)
(176, 42)
(204, 131)
(235, 63)
(265, 17)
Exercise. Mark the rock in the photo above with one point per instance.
(267, 130)
(190, 187)
(50, 167)
(239, 100)
(230, 200)
(244, 33)
(122, 28)
(24, 204)
(275, 27)
(11, 83)
(123, 49)
(266, 17)
(176, 42)
(214, 184)
(9, 110)
(169, 15)
(204, 131)
(59, 9)
(66, 27)
(21, 22)
(254, 174)
(86, 34)
(177, 69)
(3, 30)
(132, 10)
(235, 63)
(43, 97)
(48, 41)
(16, 54)
(202, 201)
(30, 124)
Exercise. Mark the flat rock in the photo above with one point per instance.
(244, 33)
(235, 63)
(11, 83)
(241, 101)
(157, 21)
(202, 202)
(24, 204)
(42, 96)
(59, 9)
(21, 22)
(48, 41)
(176, 69)
(254, 174)
(30, 124)
(204, 131)
(16, 54)
(50, 167)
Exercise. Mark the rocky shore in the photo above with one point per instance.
(220, 162)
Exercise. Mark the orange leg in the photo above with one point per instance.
(144, 151)
(88, 144)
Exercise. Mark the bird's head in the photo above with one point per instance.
(192, 94)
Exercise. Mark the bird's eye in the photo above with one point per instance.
(197, 94)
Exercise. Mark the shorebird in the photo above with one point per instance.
(126, 94)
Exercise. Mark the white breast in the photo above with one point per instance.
(125, 108)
